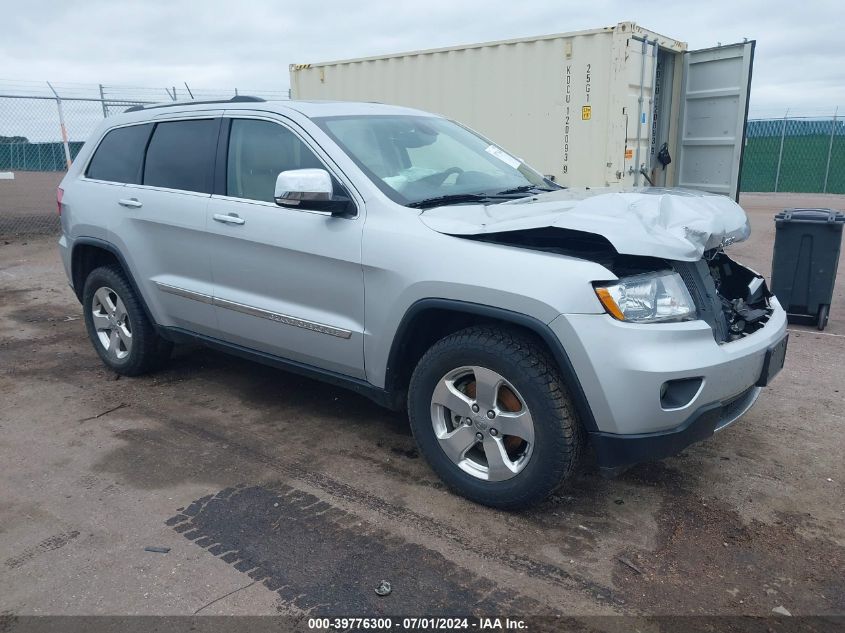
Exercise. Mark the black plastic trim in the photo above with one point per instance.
(699, 282)
(616, 453)
(765, 375)
(221, 157)
(376, 394)
(582, 406)
(235, 99)
(111, 248)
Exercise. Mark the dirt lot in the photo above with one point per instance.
(28, 203)
(278, 494)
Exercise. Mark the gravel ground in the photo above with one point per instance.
(28, 203)
(278, 494)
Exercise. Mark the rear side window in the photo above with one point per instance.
(120, 155)
(181, 155)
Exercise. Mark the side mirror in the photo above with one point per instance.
(311, 189)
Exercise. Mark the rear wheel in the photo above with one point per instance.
(117, 325)
(492, 416)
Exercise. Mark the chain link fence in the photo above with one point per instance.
(34, 155)
(44, 125)
(795, 155)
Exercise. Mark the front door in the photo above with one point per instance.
(287, 282)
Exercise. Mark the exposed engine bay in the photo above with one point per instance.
(743, 294)
(732, 299)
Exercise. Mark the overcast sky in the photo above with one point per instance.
(799, 64)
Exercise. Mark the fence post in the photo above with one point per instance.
(62, 124)
(830, 149)
(103, 101)
(780, 153)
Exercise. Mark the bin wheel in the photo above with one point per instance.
(823, 314)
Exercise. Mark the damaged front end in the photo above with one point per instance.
(731, 298)
(633, 233)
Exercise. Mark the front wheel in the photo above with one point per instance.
(492, 416)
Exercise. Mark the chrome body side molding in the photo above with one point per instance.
(285, 319)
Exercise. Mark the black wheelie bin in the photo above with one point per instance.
(806, 254)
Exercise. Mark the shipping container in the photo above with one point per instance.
(589, 108)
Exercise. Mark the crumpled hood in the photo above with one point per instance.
(671, 223)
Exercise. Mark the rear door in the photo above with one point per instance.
(714, 110)
(96, 200)
(287, 282)
(161, 226)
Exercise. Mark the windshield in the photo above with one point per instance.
(425, 161)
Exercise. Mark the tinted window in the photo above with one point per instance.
(181, 155)
(120, 154)
(258, 152)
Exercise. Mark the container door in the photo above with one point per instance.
(714, 109)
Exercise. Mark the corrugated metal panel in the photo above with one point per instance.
(716, 86)
(567, 104)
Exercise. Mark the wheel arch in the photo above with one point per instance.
(429, 320)
(89, 253)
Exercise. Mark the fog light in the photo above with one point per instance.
(676, 394)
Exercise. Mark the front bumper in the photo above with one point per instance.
(615, 453)
(622, 366)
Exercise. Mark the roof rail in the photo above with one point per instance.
(235, 99)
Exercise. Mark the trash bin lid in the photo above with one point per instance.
(810, 215)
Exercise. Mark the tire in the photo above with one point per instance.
(824, 310)
(534, 467)
(117, 325)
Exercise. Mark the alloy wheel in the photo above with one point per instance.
(482, 423)
(111, 323)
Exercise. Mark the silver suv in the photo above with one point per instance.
(408, 258)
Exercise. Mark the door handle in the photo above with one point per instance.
(130, 203)
(232, 218)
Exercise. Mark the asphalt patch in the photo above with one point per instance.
(326, 561)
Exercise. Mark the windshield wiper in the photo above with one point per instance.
(457, 198)
(452, 198)
(524, 189)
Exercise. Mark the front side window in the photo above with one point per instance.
(258, 152)
(120, 155)
(416, 160)
(181, 155)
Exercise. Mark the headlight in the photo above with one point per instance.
(647, 298)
